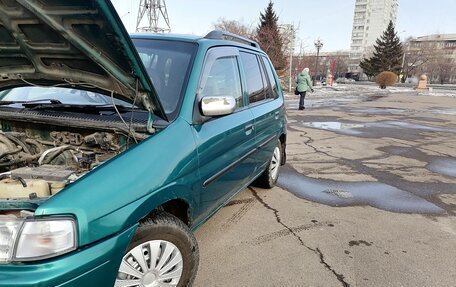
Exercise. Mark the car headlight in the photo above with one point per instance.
(36, 239)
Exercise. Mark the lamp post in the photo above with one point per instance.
(318, 44)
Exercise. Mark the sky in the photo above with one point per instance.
(330, 20)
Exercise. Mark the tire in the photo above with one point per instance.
(171, 242)
(270, 175)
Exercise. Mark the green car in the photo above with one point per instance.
(114, 148)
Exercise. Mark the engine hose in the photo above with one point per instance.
(35, 143)
(26, 160)
(58, 150)
(11, 152)
(9, 144)
(18, 142)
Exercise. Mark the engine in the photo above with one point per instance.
(37, 161)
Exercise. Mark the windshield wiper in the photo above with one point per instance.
(52, 101)
(82, 108)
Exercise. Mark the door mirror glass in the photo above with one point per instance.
(214, 106)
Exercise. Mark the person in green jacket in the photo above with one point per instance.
(304, 83)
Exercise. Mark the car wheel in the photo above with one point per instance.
(163, 252)
(270, 175)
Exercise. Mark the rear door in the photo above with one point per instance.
(225, 144)
(265, 104)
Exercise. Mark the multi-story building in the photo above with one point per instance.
(432, 55)
(370, 20)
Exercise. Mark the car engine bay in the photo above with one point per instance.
(38, 160)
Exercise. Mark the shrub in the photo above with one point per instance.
(386, 78)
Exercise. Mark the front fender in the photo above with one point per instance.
(123, 190)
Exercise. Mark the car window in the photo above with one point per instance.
(64, 95)
(223, 80)
(168, 64)
(272, 81)
(255, 86)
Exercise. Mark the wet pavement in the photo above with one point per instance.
(391, 131)
(339, 193)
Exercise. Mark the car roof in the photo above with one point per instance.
(208, 42)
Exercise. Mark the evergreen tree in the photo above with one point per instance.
(387, 56)
(366, 65)
(268, 36)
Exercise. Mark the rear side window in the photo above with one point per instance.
(272, 81)
(255, 85)
(223, 80)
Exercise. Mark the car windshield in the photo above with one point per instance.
(168, 64)
(63, 95)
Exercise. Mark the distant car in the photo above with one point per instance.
(341, 80)
(114, 148)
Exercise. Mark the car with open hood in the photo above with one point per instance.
(114, 148)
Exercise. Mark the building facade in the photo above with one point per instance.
(370, 21)
(432, 55)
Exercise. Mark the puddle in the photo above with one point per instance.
(351, 128)
(380, 110)
(334, 126)
(443, 166)
(400, 125)
(443, 111)
(336, 193)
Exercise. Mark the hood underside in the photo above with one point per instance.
(72, 43)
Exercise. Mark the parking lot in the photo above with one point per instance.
(367, 198)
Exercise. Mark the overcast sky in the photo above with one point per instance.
(331, 20)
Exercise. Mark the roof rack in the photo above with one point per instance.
(221, 35)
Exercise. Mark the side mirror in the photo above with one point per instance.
(213, 106)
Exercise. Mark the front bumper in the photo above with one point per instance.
(96, 265)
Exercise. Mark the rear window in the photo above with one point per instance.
(272, 81)
(256, 88)
(168, 64)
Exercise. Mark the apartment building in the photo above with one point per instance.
(433, 55)
(371, 18)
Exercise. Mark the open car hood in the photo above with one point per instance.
(80, 43)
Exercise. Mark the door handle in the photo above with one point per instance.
(277, 115)
(248, 129)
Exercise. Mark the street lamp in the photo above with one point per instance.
(318, 44)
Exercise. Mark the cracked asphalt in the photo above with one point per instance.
(367, 198)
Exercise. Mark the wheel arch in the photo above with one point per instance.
(177, 207)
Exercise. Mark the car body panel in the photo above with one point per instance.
(95, 265)
(128, 187)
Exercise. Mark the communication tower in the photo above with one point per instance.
(153, 17)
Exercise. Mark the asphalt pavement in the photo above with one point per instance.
(367, 198)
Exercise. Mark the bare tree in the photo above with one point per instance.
(440, 67)
(235, 27)
(416, 57)
(341, 67)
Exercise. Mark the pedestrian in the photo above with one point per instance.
(304, 83)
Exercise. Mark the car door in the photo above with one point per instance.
(264, 102)
(225, 144)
